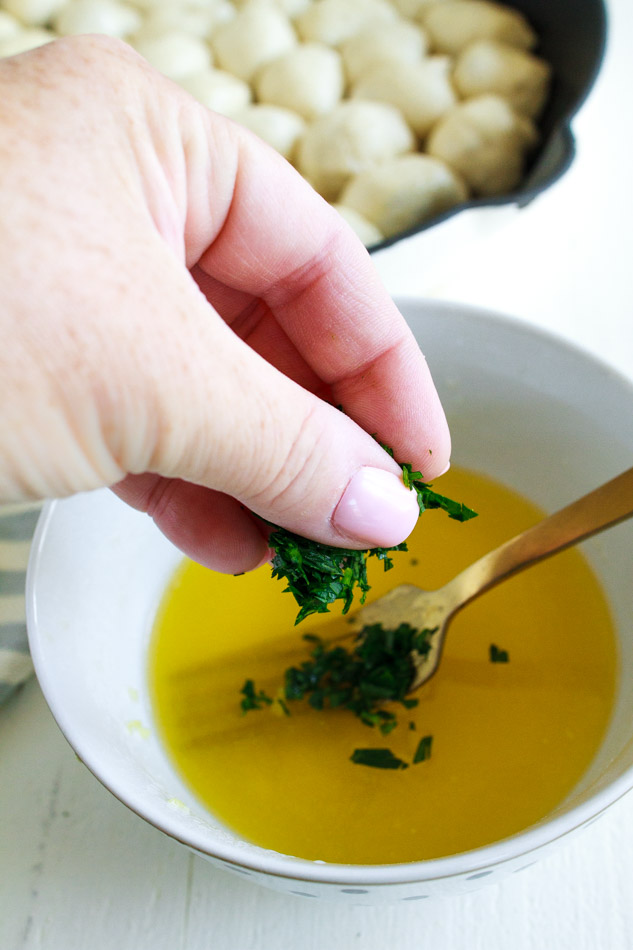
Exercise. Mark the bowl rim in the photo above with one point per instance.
(474, 863)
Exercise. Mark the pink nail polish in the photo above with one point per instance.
(376, 508)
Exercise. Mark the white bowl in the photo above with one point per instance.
(524, 406)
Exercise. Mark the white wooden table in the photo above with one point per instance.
(78, 871)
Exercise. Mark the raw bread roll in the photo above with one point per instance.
(334, 21)
(218, 90)
(518, 76)
(108, 17)
(33, 12)
(403, 192)
(486, 141)
(279, 127)
(174, 54)
(292, 8)
(379, 43)
(413, 9)
(454, 24)
(364, 229)
(258, 34)
(9, 26)
(307, 79)
(421, 91)
(354, 136)
(24, 40)
(187, 19)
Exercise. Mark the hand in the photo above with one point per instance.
(182, 314)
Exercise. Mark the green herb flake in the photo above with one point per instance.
(423, 750)
(377, 759)
(283, 707)
(252, 699)
(497, 655)
(318, 575)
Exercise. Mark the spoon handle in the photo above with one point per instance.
(601, 508)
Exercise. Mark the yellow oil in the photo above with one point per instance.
(510, 740)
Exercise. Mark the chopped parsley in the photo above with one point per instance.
(423, 750)
(375, 670)
(378, 759)
(318, 575)
(251, 699)
(378, 669)
(497, 655)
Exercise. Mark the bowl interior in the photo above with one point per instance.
(524, 407)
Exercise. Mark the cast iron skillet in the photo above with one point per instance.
(572, 37)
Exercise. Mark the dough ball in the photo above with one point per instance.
(518, 76)
(279, 127)
(108, 17)
(364, 229)
(353, 137)
(399, 41)
(486, 141)
(219, 9)
(218, 90)
(9, 26)
(421, 91)
(292, 8)
(454, 24)
(307, 79)
(184, 19)
(174, 54)
(23, 41)
(33, 12)
(258, 34)
(413, 9)
(333, 21)
(403, 192)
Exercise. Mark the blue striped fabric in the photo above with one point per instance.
(17, 524)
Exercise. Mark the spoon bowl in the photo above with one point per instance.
(433, 610)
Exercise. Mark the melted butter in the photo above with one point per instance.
(510, 740)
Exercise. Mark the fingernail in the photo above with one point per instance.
(377, 508)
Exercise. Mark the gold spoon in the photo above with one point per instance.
(600, 509)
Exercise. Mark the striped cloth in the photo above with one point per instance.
(17, 524)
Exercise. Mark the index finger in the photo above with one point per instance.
(280, 242)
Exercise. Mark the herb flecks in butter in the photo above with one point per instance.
(377, 669)
(378, 759)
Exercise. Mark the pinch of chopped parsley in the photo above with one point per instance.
(378, 669)
(318, 575)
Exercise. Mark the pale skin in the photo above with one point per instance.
(181, 315)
